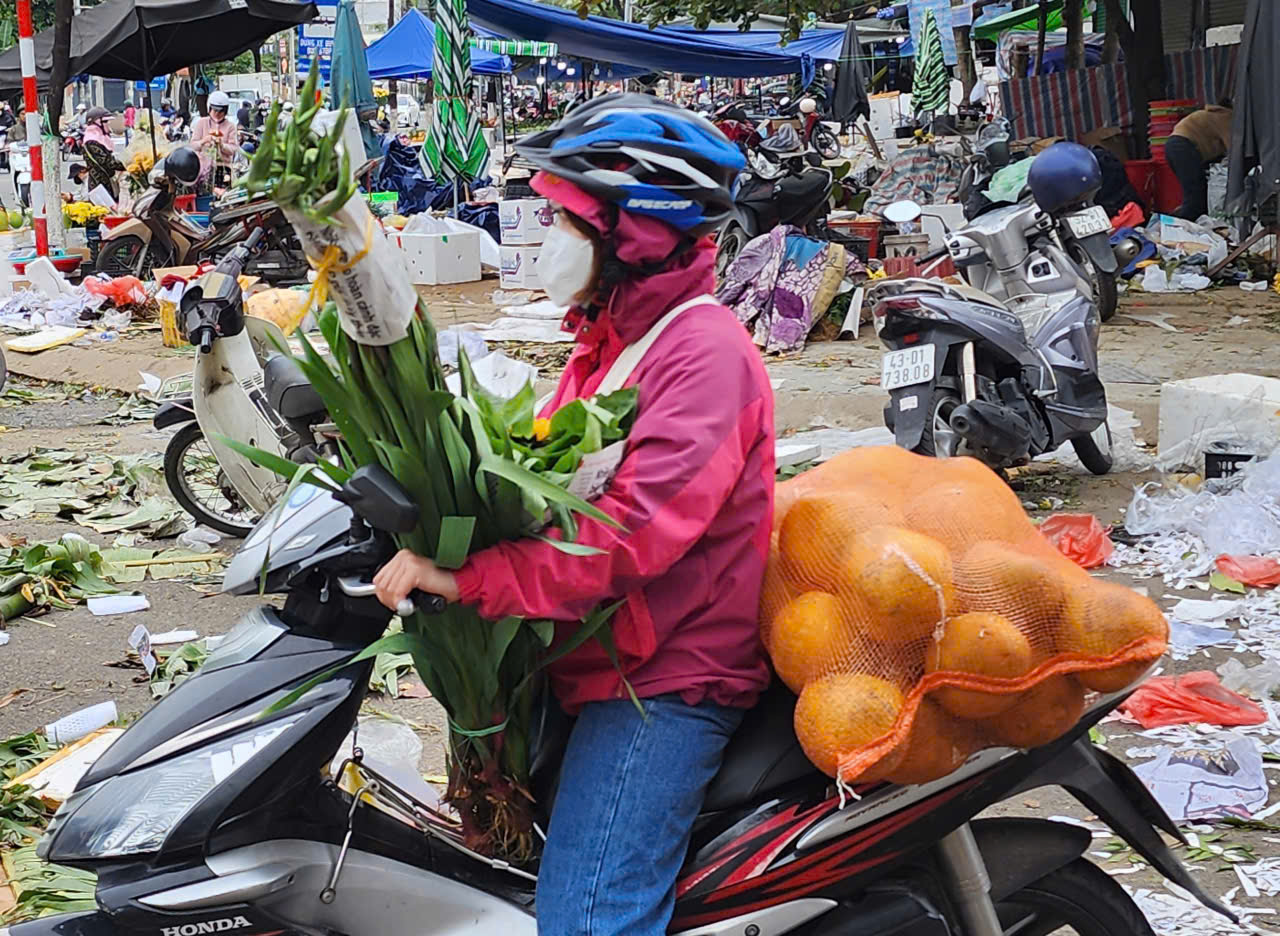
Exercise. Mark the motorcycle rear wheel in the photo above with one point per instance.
(1079, 896)
(1108, 296)
(126, 255)
(939, 440)
(728, 245)
(197, 484)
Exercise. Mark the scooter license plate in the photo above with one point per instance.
(907, 367)
(1089, 222)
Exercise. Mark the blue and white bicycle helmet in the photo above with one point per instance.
(645, 155)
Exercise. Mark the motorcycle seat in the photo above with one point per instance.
(763, 754)
(288, 391)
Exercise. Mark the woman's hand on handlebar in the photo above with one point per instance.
(407, 571)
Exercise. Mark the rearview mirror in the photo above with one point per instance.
(378, 499)
(902, 212)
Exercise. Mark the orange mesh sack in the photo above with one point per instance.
(921, 617)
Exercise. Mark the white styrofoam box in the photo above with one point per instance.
(520, 267)
(525, 220)
(77, 237)
(1198, 411)
(434, 259)
(15, 240)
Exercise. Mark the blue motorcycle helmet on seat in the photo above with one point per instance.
(1063, 175)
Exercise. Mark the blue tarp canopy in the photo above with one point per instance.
(609, 40)
(407, 48)
(820, 44)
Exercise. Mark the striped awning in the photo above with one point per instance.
(525, 47)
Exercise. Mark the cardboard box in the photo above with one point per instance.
(525, 220)
(520, 267)
(435, 259)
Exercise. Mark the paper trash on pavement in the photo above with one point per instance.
(103, 605)
(1212, 780)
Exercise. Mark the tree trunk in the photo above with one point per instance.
(392, 86)
(1143, 45)
(1073, 16)
(1042, 25)
(60, 72)
(257, 58)
(51, 152)
(966, 64)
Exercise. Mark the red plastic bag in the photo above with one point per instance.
(1190, 698)
(1251, 570)
(1129, 216)
(121, 291)
(1079, 537)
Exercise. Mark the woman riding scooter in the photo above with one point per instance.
(638, 184)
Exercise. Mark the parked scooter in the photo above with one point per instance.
(207, 817)
(159, 235)
(1010, 375)
(215, 484)
(783, 184)
(1086, 244)
(20, 167)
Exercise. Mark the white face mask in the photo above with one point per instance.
(565, 265)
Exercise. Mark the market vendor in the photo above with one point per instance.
(216, 139)
(99, 152)
(693, 489)
(74, 190)
(1199, 139)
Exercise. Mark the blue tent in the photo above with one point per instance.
(820, 44)
(609, 40)
(406, 51)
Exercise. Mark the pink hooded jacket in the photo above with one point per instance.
(694, 492)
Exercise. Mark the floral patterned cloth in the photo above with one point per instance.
(782, 282)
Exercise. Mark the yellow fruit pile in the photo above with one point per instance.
(922, 617)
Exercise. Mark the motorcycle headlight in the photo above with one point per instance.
(133, 813)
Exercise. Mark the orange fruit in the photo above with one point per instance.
(818, 528)
(1042, 714)
(964, 512)
(869, 465)
(775, 592)
(1102, 620)
(809, 637)
(982, 644)
(838, 714)
(1028, 588)
(937, 744)
(896, 582)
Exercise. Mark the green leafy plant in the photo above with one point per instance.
(50, 575)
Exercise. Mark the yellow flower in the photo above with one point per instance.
(541, 429)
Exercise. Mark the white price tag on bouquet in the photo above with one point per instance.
(597, 470)
(367, 277)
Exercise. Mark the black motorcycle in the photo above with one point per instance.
(785, 183)
(214, 814)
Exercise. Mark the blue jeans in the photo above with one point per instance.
(630, 790)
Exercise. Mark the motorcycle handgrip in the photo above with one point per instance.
(421, 601)
(206, 340)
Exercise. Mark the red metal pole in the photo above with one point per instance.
(27, 51)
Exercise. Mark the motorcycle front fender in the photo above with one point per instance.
(173, 413)
(1098, 247)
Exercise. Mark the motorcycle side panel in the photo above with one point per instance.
(92, 923)
(133, 226)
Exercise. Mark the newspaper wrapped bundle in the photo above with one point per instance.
(922, 617)
(481, 470)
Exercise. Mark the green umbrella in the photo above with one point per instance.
(931, 86)
(454, 149)
(349, 81)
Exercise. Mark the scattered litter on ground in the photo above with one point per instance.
(1158, 319)
(1190, 698)
(107, 494)
(50, 575)
(86, 721)
(1187, 637)
(1258, 286)
(1259, 681)
(1208, 781)
(1079, 537)
(117, 604)
(1259, 571)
